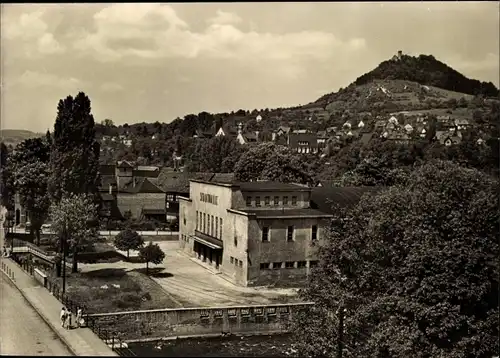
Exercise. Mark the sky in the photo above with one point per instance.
(155, 62)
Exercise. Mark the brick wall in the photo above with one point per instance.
(136, 202)
(199, 321)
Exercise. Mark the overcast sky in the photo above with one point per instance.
(154, 62)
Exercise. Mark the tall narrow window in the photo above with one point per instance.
(249, 201)
(314, 233)
(204, 222)
(212, 225)
(196, 219)
(289, 233)
(216, 226)
(276, 200)
(285, 200)
(294, 200)
(265, 234)
(267, 200)
(221, 228)
(257, 201)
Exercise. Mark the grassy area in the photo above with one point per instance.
(113, 290)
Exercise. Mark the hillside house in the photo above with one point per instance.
(303, 142)
(446, 138)
(461, 123)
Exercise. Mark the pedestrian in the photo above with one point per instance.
(62, 316)
(79, 317)
(68, 319)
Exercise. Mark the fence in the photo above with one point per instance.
(112, 339)
(6, 269)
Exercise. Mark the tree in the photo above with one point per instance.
(74, 223)
(107, 123)
(151, 253)
(128, 240)
(216, 155)
(418, 278)
(31, 183)
(75, 154)
(6, 177)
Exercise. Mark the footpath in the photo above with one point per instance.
(81, 341)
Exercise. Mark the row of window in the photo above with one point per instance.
(185, 238)
(287, 265)
(235, 261)
(290, 233)
(209, 198)
(267, 201)
(208, 224)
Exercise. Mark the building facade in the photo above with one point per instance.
(255, 233)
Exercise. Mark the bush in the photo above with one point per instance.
(127, 301)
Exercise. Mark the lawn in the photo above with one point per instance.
(114, 290)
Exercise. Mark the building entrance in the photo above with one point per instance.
(211, 256)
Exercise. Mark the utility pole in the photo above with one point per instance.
(340, 333)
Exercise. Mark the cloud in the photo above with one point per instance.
(30, 33)
(111, 87)
(224, 18)
(32, 79)
(162, 34)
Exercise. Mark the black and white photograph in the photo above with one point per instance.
(250, 179)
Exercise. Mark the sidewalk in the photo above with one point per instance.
(81, 341)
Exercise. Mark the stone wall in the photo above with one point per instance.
(179, 322)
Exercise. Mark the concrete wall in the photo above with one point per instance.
(136, 202)
(278, 249)
(199, 321)
(235, 246)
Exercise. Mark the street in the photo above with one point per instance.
(22, 330)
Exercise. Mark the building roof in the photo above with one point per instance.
(147, 168)
(106, 181)
(143, 185)
(107, 197)
(178, 182)
(270, 186)
(323, 198)
(153, 211)
(146, 173)
(106, 169)
(283, 213)
(295, 138)
(124, 164)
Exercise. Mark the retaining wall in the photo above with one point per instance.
(180, 322)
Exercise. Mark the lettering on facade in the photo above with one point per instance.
(245, 312)
(204, 314)
(271, 310)
(231, 312)
(218, 313)
(209, 198)
(283, 310)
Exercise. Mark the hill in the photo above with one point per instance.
(15, 136)
(427, 70)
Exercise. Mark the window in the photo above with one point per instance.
(235, 241)
(241, 263)
(216, 226)
(294, 200)
(249, 201)
(313, 263)
(212, 225)
(289, 264)
(277, 265)
(220, 228)
(264, 266)
(204, 222)
(289, 233)
(285, 200)
(267, 200)
(276, 200)
(314, 233)
(301, 264)
(170, 197)
(231, 259)
(257, 201)
(196, 219)
(265, 234)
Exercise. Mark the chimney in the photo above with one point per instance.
(257, 136)
(110, 189)
(400, 53)
(273, 136)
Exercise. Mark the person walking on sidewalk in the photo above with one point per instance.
(62, 316)
(79, 317)
(67, 323)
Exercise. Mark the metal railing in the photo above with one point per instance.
(6, 269)
(111, 338)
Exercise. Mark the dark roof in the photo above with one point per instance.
(295, 138)
(270, 186)
(147, 173)
(366, 138)
(153, 211)
(143, 185)
(124, 164)
(323, 198)
(286, 213)
(107, 197)
(178, 182)
(105, 169)
(250, 136)
(106, 181)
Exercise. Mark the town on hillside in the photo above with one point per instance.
(361, 224)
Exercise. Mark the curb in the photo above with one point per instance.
(42, 316)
